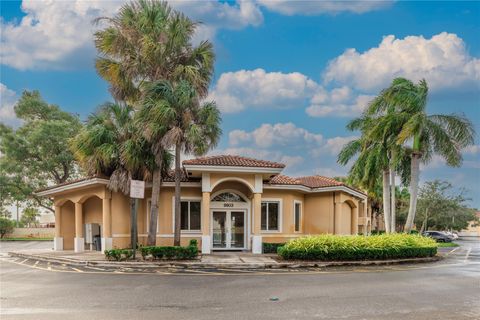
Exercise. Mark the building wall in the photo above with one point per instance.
(317, 215)
(68, 225)
(319, 211)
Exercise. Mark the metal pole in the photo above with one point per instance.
(135, 235)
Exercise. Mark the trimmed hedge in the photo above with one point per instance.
(268, 247)
(377, 247)
(171, 252)
(118, 254)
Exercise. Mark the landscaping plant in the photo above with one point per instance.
(334, 247)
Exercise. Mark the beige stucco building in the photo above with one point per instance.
(228, 203)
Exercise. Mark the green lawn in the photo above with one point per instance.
(447, 244)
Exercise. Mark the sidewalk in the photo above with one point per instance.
(224, 260)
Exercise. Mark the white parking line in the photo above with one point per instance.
(468, 254)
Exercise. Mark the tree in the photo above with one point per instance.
(36, 154)
(445, 135)
(30, 217)
(190, 127)
(111, 145)
(6, 226)
(145, 42)
(441, 207)
(376, 155)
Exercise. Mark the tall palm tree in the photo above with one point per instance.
(111, 145)
(445, 135)
(145, 42)
(190, 127)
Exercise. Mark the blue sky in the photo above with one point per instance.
(288, 75)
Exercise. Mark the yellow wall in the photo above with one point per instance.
(68, 224)
(319, 213)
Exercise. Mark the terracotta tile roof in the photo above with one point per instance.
(233, 161)
(70, 182)
(309, 181)
(319, 181)
(171, 177)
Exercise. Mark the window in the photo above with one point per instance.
(270, 215)
(298, 215)
(190, 215)
(228, 197)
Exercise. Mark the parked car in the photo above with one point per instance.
(452, 235)
(438, 236)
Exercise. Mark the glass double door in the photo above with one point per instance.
(228, 229)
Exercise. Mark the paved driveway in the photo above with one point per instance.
(446, 290)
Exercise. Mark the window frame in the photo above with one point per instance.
(300, 216)
(279, 218)
(187, 199)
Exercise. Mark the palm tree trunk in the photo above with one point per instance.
(415, 173)
(152, 226)
(133, 223)
(178, 177)
(393, 202)
(386, 199)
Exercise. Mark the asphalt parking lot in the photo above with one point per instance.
(448, 289)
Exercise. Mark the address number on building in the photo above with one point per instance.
(228, 205)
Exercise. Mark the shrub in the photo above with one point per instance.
(6, 226)
(171, 252)
(377, 247)
(118, 254)
(271, 247)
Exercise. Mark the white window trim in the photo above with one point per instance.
(280, 215)
(147, 216)
(198, 199)
(300, 224)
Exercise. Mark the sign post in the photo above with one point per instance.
(137, 191)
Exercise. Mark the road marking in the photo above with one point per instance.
(466, 256)
(23, 261)
(37, 262)
(78, 270)
(95, 268)
(452, 251)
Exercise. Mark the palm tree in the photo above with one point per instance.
(189, 126)
(110, 145)
(445, 135)
(145, 42)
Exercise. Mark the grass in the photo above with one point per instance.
(447, 244)
(26, 239)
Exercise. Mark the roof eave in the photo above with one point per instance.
(71, 186)
(232, 169)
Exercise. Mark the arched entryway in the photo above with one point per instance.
(230, 208)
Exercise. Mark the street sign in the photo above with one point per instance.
(137, 189)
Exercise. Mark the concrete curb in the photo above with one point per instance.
(232, 266)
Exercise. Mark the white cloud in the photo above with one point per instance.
(334, 145)
(59, 34)
(341, 102)
(277, 135)
(236, 91)
(473, 149)
(8, 99)
(442, 60)
(310, 7)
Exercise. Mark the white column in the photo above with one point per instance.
(206, 237)
(58, 240)
(107, 240)
(79, 241)
(257, 220)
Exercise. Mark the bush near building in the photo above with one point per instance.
(156, 252)
(377, 247)
(6, 226)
